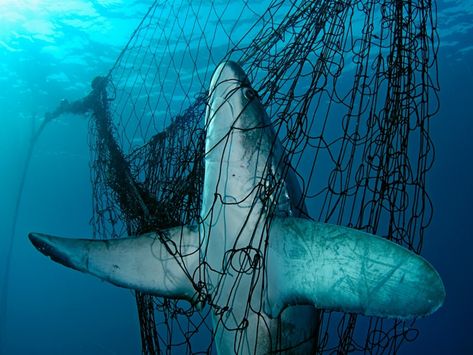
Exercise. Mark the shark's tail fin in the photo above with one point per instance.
(147, 263)
(343, 269)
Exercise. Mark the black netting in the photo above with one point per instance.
(350, 87)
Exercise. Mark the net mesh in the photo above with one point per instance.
(350, 87)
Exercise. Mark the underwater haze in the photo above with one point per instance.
(51, 50)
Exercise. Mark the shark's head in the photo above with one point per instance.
(233, 103)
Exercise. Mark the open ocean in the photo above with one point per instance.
(51, 50)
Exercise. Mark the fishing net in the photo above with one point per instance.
(350, 87)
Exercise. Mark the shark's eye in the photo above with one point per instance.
(249, 93)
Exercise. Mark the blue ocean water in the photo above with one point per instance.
(51, 50)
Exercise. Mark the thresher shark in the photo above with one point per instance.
(298, 266)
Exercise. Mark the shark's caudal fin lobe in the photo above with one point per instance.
(148, 263)
(343, 269)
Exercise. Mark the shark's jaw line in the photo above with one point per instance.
(266, 267)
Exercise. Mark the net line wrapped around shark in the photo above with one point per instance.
(350, 87)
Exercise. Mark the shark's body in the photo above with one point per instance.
(245, 183)
(266, 269)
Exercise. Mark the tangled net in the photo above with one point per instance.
(350, 87)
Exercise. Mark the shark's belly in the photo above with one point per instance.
(235, 235)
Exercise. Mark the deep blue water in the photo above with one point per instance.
(49, 51)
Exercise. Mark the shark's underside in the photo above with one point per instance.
(260, 259)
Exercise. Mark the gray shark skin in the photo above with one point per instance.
(267, 269)
(243, 157)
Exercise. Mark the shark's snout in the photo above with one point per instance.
(226, 83)
(227, 74)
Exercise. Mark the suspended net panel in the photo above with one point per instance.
(350, 87)
(170, 59)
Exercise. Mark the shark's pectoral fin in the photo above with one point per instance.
(158, 265)
(343, 269)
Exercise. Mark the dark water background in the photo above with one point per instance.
(50, 51)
